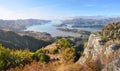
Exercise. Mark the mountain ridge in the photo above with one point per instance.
(20, 24)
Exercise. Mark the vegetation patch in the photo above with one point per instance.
(111, 31)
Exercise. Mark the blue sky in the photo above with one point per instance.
(57, 9)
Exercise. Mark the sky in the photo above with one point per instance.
(57, 9)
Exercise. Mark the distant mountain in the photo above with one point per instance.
(97, 22)
(20, 25)
(91, 17)
(12, 40)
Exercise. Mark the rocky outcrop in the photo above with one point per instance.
(93, 49)
(107, 55)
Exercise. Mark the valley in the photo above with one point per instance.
(58, 47)
(59, 35)
(94, 52)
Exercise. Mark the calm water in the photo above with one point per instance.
(49, 28)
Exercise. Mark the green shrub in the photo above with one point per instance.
(54, 51)
(20, 57)
(41, 56)
(2, 65)
(68, 55)
(111, 31)
(44, 58)
(63, 43)
(42, 50)
(4, 58)
(12, 58)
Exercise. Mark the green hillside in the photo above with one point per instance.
(13, 40)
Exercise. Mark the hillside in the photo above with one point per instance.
(12, 40)
(100, 53)
(36, 35)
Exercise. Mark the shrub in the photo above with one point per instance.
(68, 55)
(41, 56)
(54, 51)
(20, 57)
(41, 51)
(12, 58)
(63, 43)
(4, 58)
(111, 31)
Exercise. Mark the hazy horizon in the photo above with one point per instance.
(57, 9)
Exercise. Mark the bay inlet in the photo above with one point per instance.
(51, 29)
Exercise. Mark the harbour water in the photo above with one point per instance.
(49, 28)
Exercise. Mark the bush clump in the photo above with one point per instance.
(12, 58)
(54, 51)
(67, 51)
(111, 31)
(68, 55)
(63, 43)
(39, 56)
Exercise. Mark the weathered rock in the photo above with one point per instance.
(110, 49)
(112, 66)
(93, 49)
